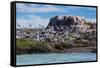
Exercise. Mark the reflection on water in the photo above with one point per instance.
(54, 58)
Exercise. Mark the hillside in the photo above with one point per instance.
(62, 34)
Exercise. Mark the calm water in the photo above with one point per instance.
(54, 58)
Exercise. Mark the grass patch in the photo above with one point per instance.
(24, 46)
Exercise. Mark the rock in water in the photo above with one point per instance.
(72, 23)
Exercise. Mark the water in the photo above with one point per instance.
(54, 58)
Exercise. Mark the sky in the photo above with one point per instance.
(39, 14)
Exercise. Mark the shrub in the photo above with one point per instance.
(32, 46)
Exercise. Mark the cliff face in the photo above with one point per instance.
(74, 23)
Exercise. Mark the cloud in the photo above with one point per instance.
(35, 21)
(91, 20)
(24, 8)
(81, 7)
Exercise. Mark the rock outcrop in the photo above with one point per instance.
(72, 23)
(63, 34)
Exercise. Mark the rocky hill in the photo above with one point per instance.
(63, 34)
(73, 23)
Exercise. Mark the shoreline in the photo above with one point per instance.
(28, 46)
(70, 50)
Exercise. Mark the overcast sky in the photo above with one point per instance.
(40, 14)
